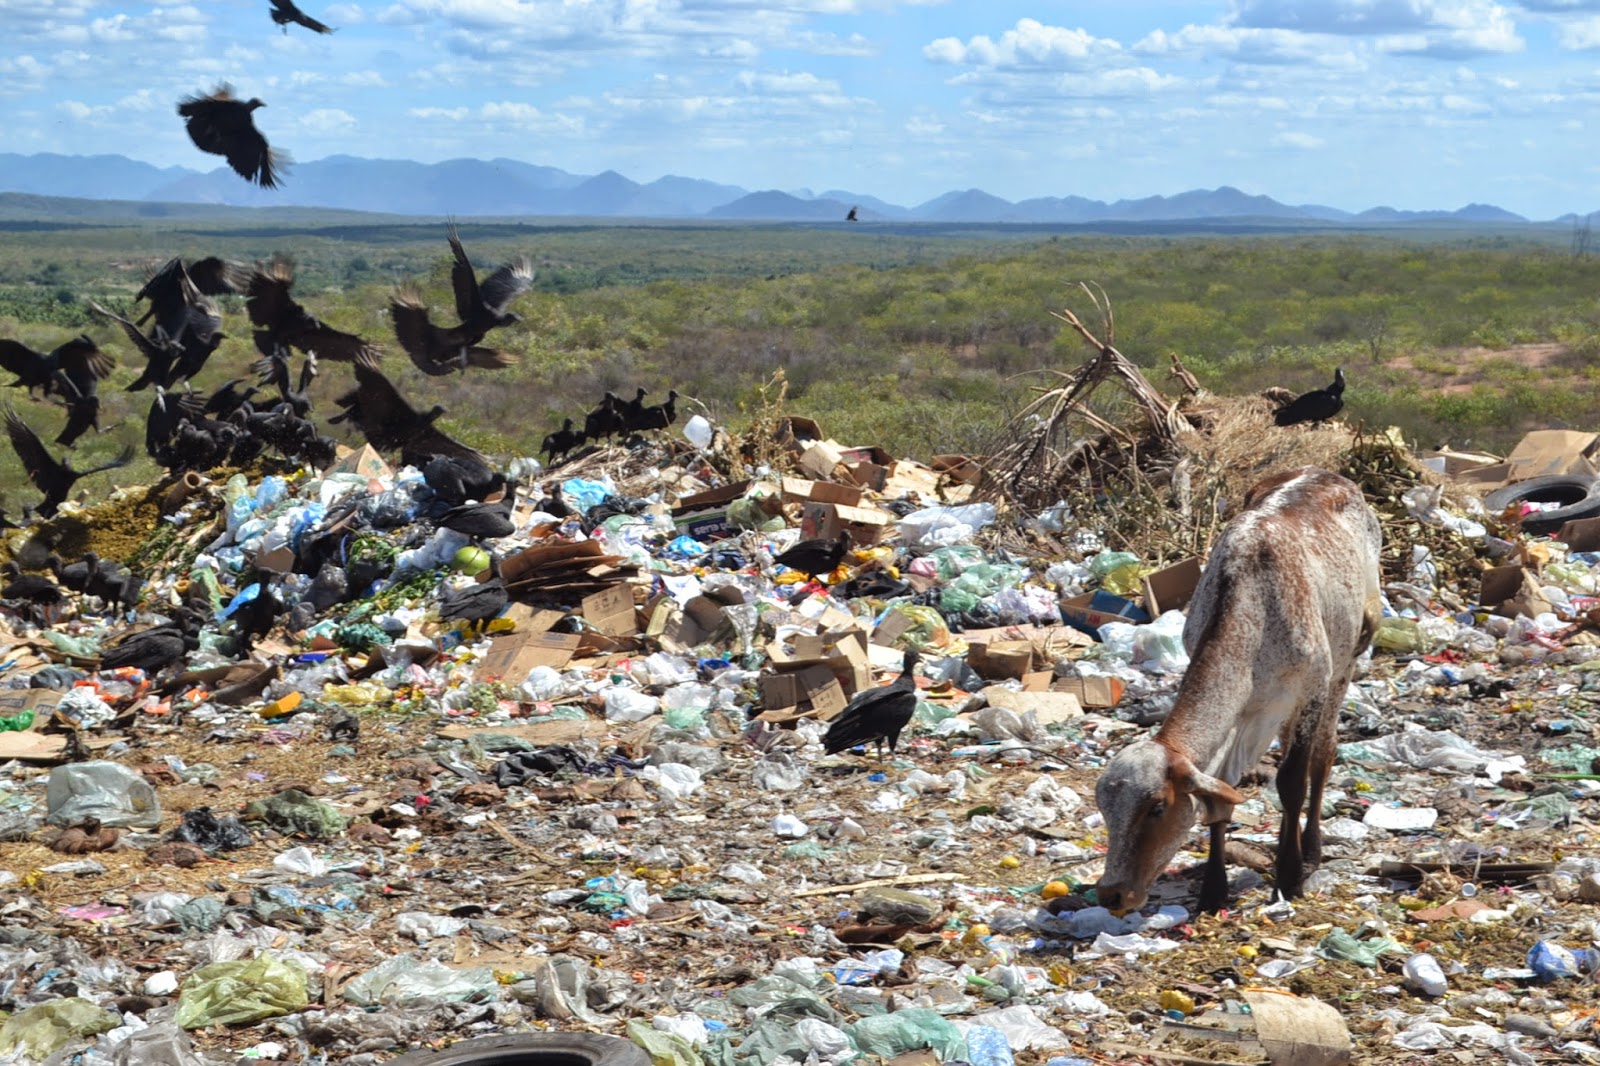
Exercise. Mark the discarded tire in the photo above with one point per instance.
(1578, 495)
(533, 1049)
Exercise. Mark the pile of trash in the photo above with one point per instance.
(385, 821)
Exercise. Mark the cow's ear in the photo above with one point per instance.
(1215, 795)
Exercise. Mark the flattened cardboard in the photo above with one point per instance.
(527, 563)
(966, 469)
(31, 746)
(556, 731)
(515, 654)
(888, 631)
(278, 560)
(1298, 1030)
(14, 701)
(365, 461)
(829, 701)
(1038, 681)
(1170, 589)
(1048, 707)
(611, 611)
(526, 619)
(1553, 451)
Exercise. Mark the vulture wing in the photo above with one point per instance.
(463, 280)
(30, 366)
(506, 284)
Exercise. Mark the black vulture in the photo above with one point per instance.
(482, 307)
(273, 370)
(150, 650)
(876, 714)
(113, 583)
(437, 351)
(68, 370)
(83, 414)
(35, 588)
(658, 417)
(50, 475)
(851, 217)
(284, 12)
(161, 353)
(75, 576)
(474, 603)
(228, 398)
(484, 519)
(633, 410)
(561, 441)
(222, 125)
(1318, 405)
(283, 322)
(180, 297)
(168, 411)
(816, 558)
(605, 419)
(457, 479)
(255, 618)
(384, 417)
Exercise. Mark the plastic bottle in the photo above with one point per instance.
(1422, 972)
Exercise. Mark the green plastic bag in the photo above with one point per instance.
(235, 993)
(953, 560)
(1340, 946)
(1400, 634)
(927, 629)
(294, 813)
(894, 1034)
(41, 1031)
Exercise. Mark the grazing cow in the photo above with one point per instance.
(1287, 603)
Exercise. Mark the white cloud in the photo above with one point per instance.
(1297, 139)
(328, 120)
(1578, 35)
(1030, 43)
(801, 82)
(453, 114)
(1442, 29)
(919, 126)
(1246, 44)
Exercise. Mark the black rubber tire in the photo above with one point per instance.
(1579, 495)
(533, 1049)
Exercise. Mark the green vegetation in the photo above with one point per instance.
(918, 341)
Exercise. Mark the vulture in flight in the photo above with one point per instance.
(437, 351)
(284, 12)
(482, 307)
(178, 296)
(223, 126)
(161, 354)
(66, 371)
(851, 217)
(389, 422)
(50, 475)
(1318, 405)
(282, 322)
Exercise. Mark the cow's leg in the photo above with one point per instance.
(1324, 747)
(1292, 772)
(1214, 883)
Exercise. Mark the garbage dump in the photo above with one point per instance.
(575, 777)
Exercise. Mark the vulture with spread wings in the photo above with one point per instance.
(483, 307)
(223, 125)
(437, 351)
(285, 12)
(161, 354)
(390, 423)
(282, 322)
(51, 476)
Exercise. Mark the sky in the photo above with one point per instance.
(1411, 104)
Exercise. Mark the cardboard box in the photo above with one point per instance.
(795, 432)
(1091, 691)
(819, 459)
(824, 521)
(869, 467)
(799, 490)
(842, 652)
(812, 691)
(1170, 589)
(1499, 584)
(527, 563)
(366, 461)
(1092, 610)
(1580, 534)
(1001, 660)
(1485, 478)
(704, 515)
(966, 469)
(1453, 464)
(1554, 451)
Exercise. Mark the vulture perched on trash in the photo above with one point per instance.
(488, 520)
(222, 125)
(150, 650)
(474, 603)
(284, 12)
(51, 476)
(605, 419)
(876, 714)
(1318, 405)
(658, 417)
(456, 479)
(816, 558)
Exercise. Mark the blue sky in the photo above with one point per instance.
(1351, 103)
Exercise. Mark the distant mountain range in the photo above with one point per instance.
(468, 187)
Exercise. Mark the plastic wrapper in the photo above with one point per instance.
(105, 790)
(908, 1030)
(629, 705)
(407, 981)
(234, 993)
(664, 1048)
(42, 1030)
(935, 527)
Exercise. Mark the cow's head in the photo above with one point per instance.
(1150, 796)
